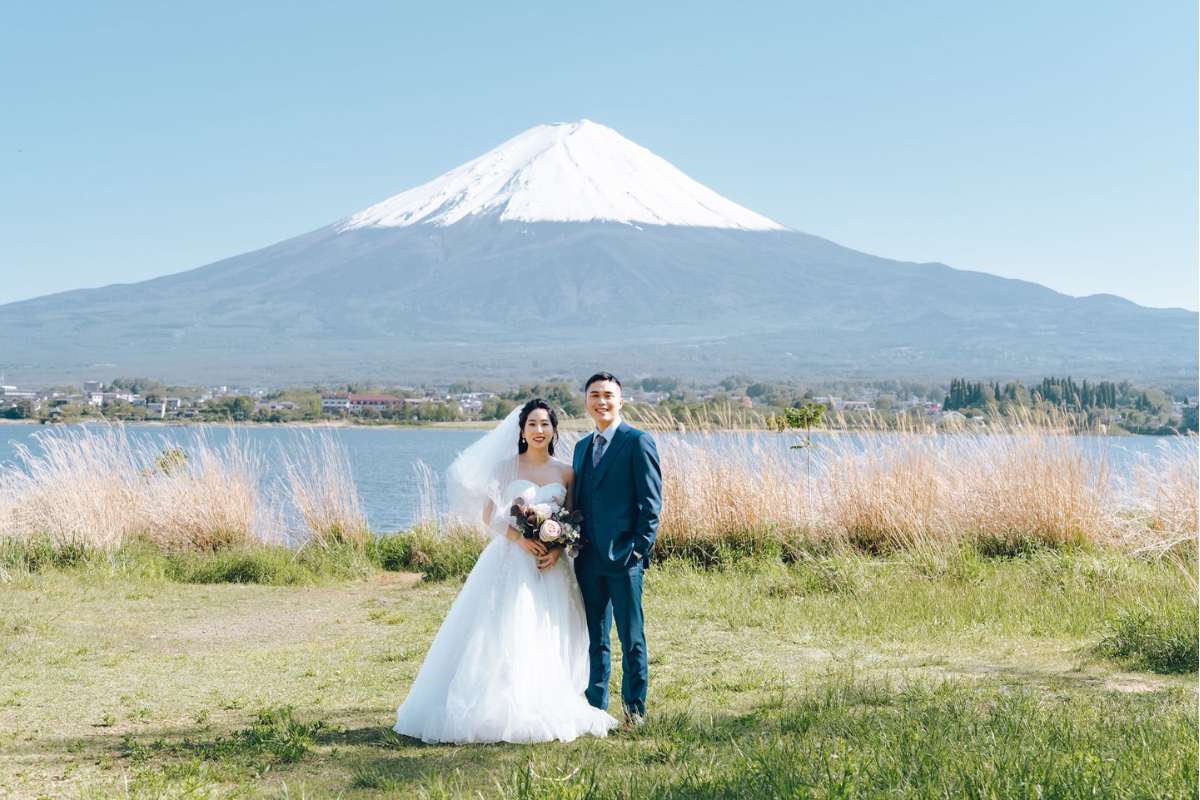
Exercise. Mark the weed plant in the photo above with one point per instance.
(1165, 639)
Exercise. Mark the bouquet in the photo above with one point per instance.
(547, 523)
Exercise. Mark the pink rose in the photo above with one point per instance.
(549, 531)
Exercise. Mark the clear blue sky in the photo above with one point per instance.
(1055, 142)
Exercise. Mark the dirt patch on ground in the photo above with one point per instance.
(1130, 686)
(399, 578)
(271, 625)
(287, 616)
(267, 613)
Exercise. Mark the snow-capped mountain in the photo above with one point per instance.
(569, 249)
(577, 172)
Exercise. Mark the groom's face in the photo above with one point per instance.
(604, 403)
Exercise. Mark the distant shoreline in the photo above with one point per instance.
(568, 425)
(571, 424)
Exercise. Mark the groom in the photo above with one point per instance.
(618, 488)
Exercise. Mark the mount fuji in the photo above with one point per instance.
(569, 248)
(564, 173)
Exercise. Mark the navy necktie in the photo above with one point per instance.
(598, 443)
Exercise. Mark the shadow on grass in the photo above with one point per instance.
(160, 757)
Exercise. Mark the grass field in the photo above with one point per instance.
(920, 674)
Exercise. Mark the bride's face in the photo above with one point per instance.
(538, 430)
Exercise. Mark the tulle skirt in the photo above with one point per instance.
(510, 661)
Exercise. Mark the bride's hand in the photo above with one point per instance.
(533, 547)
(550, 559)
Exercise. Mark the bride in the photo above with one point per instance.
(510, 661)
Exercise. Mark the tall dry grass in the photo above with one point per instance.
(1033, 486)
(1036, 485)
(429, 493)
(94, 485)
(323, 492)
(209, 500)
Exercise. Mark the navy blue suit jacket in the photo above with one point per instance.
(620, 499)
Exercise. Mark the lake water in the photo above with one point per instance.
(383, 459)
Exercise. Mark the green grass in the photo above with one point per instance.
(847, 737)
(931, 674)
(275, 736)
(1163, 639)
(264, 564)
(423, 549)
(275, 566)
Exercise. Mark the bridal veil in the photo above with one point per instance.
(479, 478)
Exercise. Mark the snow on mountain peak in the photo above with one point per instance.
(568, 172)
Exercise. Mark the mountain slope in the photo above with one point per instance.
(448, 281)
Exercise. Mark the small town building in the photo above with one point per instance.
(355, 403)
(274, 405)
(104, 398)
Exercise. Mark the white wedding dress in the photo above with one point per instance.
(510, 661)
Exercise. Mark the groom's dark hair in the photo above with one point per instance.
(602, 376)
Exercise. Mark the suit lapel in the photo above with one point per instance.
(610, 452)
(580, 459)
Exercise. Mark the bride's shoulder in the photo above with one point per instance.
(564, 469)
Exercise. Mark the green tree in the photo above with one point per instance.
(240, 406)
(660, 384)
(806, 417)
(22, 409)
(496, 408)
(1191, 418)
(732, 382)
(70, 412)
(557, 393)
(141, 386)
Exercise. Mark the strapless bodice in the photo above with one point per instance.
(532, 494)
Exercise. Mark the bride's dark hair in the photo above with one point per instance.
(537, 402)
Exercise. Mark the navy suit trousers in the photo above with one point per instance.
(614, 594)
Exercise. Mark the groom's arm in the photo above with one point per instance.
(647, 485)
